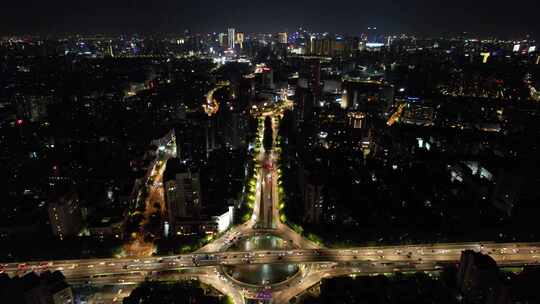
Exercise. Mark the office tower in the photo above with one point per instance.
(240, 39)
(231, 38)
(282, 37)
(223, 40)
(357, 120)
(311, 45)
(373, 35)
(328, 45)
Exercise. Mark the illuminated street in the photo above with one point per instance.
(316, 263)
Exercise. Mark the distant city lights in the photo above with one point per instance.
(374, 45)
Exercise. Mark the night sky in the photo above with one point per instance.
(510, 18)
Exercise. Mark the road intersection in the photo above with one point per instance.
(316, 263)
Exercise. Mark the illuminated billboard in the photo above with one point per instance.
(374, 45)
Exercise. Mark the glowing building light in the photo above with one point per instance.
(374, 45)
(485, 57)
(166, 228)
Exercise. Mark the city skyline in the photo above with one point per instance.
(269, 152)
(422, 17)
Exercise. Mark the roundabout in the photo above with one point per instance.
(261, 274)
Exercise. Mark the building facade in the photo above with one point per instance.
(182, 192)
(65, 216)
(231, 38)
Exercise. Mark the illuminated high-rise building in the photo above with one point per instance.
(329, 45)
(372, 34)
(240, 39)
(282, 37)
(231, 36)
(311, 44)
(110, 51)
(223, 39)
(357, 120)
